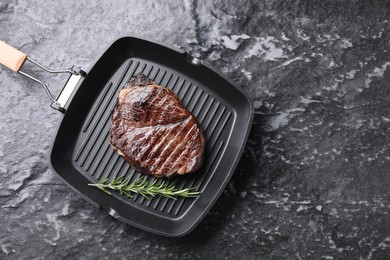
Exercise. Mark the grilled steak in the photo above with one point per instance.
(154, 132)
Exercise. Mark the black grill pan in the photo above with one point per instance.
(80, 152)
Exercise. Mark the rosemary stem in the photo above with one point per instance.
(141, 186)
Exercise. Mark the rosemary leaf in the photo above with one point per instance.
(106, 191)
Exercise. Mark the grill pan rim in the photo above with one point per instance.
(221, 187)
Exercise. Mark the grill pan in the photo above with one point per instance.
(80, 152)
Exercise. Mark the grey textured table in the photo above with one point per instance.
(313, 182)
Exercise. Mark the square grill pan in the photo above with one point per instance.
(81, 154)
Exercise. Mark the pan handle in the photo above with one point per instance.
(10, 57)
(14, 59)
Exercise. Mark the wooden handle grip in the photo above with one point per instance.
(11, 57)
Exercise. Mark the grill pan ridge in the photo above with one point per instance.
(81, 153)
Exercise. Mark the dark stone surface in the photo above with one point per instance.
(313, 182)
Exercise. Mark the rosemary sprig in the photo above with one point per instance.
(141, 186)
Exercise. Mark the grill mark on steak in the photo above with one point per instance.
(154, 132)
(146, 152)
(185, 151)
(162, 100)
(176, 153)
(168, 153)
(164, 144)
